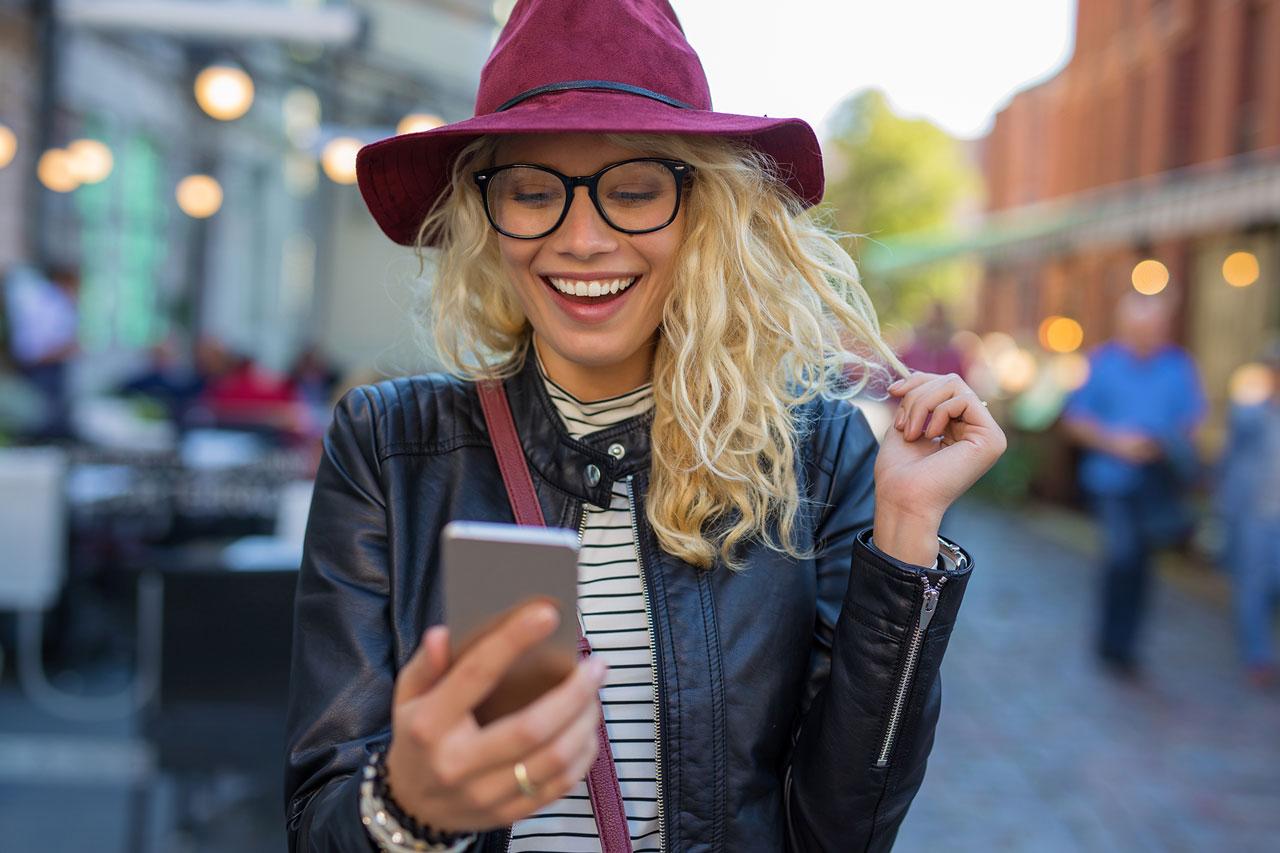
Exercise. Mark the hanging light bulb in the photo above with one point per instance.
(91, 160)
(224, 91)
(54, 169)
(339, 159)
(199, 196)
(1149, 277)
(418, 122)
(8, 146)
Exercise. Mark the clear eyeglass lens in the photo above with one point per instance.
(527, 202)
(638, 196)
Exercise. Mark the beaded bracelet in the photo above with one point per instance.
(394, 830)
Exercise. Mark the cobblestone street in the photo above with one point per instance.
(1038, 751)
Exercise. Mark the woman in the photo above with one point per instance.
(666, 324)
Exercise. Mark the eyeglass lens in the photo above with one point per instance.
(527, 202)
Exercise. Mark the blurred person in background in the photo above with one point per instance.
(43, 312)
(1249, 503)
(249, 396)
(931, 349)
(1134, 417)
(168, 379)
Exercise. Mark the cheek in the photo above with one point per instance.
(517, 260)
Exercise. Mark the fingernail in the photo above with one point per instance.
(540, 615)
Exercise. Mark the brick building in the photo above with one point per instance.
(1160, 139)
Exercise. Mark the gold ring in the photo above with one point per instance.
(522, 779)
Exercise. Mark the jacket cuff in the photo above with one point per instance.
(951, 557)
(884, 588)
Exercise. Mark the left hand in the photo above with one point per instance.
(942, 440)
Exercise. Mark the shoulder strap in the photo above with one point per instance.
(602, 781)
(511, 461)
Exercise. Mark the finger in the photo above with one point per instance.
(424, 668)
(564, 761)
(557, 768)
(920, 402)
(902, 386)
(497, 788)
(474, 675)
(945, 412)
(512, 738)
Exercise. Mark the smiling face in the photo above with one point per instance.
(593, 295)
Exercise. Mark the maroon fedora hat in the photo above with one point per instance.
(569, 66)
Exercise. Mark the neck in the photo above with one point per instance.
(594, 382)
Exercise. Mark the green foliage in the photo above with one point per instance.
(896, 180)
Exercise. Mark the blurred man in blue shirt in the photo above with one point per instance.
(1135, 416)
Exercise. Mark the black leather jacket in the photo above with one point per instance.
(797, 699)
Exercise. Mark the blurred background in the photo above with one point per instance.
(1048, 198)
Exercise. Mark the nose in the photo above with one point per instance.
(584, 232)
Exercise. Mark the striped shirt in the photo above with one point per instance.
(611, 601)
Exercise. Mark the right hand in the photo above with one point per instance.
(1134, 447)
(454, 775)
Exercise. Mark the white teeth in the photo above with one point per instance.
(574, 287)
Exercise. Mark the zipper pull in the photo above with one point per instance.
(930, 603)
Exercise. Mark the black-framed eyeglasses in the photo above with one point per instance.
(637, 196)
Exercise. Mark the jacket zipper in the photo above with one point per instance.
(928, 605)
(653, 665)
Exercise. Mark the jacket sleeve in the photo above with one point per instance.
(841, 792)
(342, 669)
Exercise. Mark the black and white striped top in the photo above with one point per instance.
(611, 601)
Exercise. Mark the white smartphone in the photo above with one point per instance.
(489, 569)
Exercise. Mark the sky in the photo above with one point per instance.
(955, 62)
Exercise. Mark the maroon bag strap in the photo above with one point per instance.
(602, 781)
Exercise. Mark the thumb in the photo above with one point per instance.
(425, 667)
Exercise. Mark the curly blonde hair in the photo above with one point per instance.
(778, 317)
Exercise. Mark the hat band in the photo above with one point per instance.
(608, 85)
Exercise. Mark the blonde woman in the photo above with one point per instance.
(762, 584)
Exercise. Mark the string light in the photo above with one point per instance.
(339, 159)
(1150, 277)
(225, 92)
(8, 146)
(1240, 269)
(199, 196)
(91, 161)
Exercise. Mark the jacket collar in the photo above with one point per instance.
(567, 462)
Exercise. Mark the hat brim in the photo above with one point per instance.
(402, 177)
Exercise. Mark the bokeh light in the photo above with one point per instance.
(224, 91)
(199, 196)
(1150, 277)
(1251, 383)
(1061, 334)
(1069, 370)
(418, 122)
(91, 161)
(301, 174)
(8, 146)
(339, 159)
(56, 172)
(301, 113)
(1015, 370)
(1240, 269)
